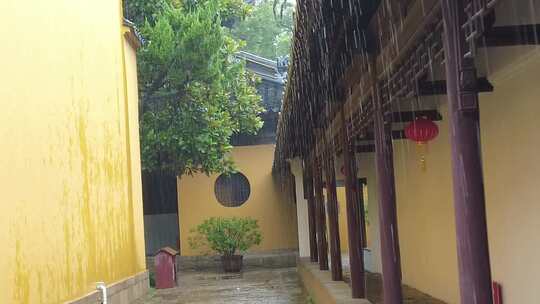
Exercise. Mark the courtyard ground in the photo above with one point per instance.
(253, 286)
(260, 286)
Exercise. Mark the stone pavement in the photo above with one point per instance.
(253, 286)
(260, 286)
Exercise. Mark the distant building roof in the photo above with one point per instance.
(273, 75)
(135, 34)
(265, 68)
(253, 1)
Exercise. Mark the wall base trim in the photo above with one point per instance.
(320, 286)
(269, 259)
(122, 292)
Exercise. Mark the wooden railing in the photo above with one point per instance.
(475, 25)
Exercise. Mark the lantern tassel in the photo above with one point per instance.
(422, 149)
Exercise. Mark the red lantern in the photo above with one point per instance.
(421, 131)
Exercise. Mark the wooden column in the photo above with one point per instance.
(310, 197)
(333, 217)
(355, 224)
(320, 214)
(469, 199)
(384, 155)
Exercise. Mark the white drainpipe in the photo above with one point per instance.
(103, 288)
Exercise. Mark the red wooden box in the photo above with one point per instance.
(165, 262)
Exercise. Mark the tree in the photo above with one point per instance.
(268, 30)
(195, 93)
(139, 11)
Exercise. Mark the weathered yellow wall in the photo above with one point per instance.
(342, 217)
(275, 213)
(132, 104)
(71, 211)
(510, 146)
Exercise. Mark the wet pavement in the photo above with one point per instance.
(254, 286)
(260, 286)
(375, 292)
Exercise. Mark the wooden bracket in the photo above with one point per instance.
(438, 87)
(511, 35)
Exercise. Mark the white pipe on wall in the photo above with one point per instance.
(103, 288)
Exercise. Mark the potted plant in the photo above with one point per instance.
(229, 237)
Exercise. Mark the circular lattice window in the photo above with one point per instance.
(232, 190)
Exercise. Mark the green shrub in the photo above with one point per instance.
(226, 236)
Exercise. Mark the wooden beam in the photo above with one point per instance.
(370, 148)
(365, 149)
(396, 134)
(406, 116)
(511, 35)
(439, 87)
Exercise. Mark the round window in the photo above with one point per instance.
(232, 190)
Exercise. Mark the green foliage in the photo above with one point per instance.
(226, 236)
(195, 94)
(229, 9)
(140, 10)
(268, 30)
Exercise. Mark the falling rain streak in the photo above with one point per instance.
(383, 64)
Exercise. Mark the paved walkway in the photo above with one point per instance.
(260, 286)
(375, 292)
(264, 286)
(410, 295)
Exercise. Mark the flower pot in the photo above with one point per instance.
(232, 263)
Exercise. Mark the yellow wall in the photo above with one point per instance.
(510, 146)
(342, 219)
(342, 216)
(71, 211)
(132, 104)
(275, 213)
(366, 169)
(426, 216)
